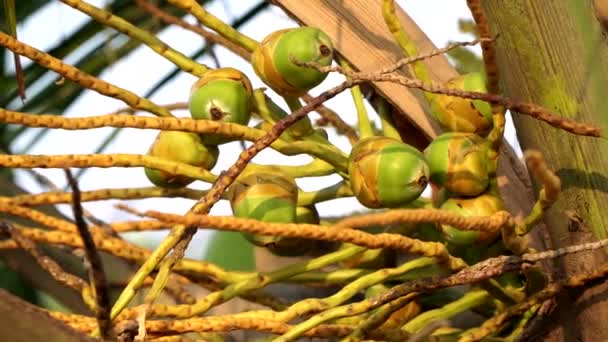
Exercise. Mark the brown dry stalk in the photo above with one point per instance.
(206, 34)
(400, 63)
(128, 209)
(104, 161)
(81, 78)
(316, 232)
(413, 59)
(94, 265)
(487, 46)
(43, 260)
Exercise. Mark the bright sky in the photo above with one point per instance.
(142, 68)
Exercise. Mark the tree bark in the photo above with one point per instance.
(554, 53)
(23, 322)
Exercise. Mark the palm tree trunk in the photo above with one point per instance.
(554, 53)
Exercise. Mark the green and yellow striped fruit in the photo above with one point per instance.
(459, 163)
(483, 205)
(222, 94)
(457, 114)
(181, 147)
(386, 173)
(268, 196)
(273, 64)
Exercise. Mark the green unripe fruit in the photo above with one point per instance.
(386, 173)
(272, 60)
(181, 147)
(464, 115)
(269, 197)
(459, 163)
(483, 205)
(222, 94)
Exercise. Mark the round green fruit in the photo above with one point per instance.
(269, 197)
(459, 163)
(181, 147)
(272, 60)
(458, 114)
(386, 173)
(221, 95)
(483, 205)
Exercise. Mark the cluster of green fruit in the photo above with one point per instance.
(225, 94)
(387, 173)
(383, 172)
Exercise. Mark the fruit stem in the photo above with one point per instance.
(146, 37)
(293, 102)
(522, 324)
(316, 168)
(266, 278)
(209, 20)
(405, 42)
(470, 300)
(306, 132)
(272, 113)
(388, 128)
(365, 127)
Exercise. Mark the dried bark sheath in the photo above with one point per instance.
(22, 321)
(554, 53)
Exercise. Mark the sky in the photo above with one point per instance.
(143, 67)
